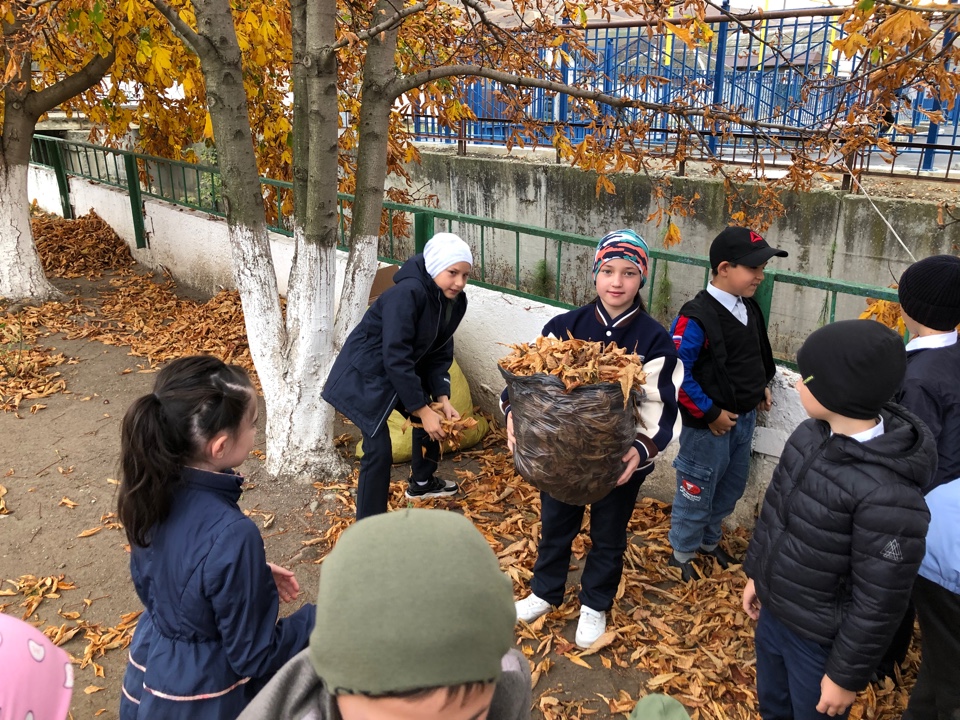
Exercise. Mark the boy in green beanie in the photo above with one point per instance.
(403, 635)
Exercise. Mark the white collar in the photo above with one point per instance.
(875, 431)
(728, 300)
(940, 340)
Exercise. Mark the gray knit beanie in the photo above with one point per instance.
(410, 600)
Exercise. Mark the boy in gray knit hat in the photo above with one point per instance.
(403, 635)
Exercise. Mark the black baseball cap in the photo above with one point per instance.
(741, 246)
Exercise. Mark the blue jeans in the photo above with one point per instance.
(711, 476)
(789, 670)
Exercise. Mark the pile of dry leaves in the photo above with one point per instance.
(577, 362)
(86, 247)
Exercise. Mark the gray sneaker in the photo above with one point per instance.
(433, 488)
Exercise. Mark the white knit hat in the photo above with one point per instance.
(444, 250)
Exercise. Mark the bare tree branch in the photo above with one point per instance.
(86, 77)
(401, 85)
(186, 33)
(388, 24)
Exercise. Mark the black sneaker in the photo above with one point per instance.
(723, 558)
(688, 571)
(433, 488)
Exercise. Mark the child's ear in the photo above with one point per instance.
(723, 267)
(218, 445)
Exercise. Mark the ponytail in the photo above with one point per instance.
(194, 399)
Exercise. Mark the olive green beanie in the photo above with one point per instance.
(409, 600)
(659, 707)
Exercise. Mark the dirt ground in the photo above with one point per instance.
(59, 466)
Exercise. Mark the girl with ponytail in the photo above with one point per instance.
(209, 637)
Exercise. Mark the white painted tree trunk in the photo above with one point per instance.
(21, 273)
(361, 268)
(292, 362)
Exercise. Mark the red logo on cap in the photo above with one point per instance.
(754, 237)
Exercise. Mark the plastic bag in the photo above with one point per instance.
(571, 444)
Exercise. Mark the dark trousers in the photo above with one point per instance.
(373, 486)
(936, 696)
(789, 670)
(560, 524)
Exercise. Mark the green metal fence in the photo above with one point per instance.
(506, 253)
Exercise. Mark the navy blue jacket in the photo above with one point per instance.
(402, 349)
(637, 332)
(208, 637)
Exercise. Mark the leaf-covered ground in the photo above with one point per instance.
(63, 564)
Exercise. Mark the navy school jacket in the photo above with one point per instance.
(208, 637)
(400, 350)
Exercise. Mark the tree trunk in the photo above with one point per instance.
(379, 69)
(292, 358)
(21, 273)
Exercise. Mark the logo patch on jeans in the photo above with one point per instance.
(691, 491)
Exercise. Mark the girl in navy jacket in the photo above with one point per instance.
(208, 637)
(617, 315)
(398, 358)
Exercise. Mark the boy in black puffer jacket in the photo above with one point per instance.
(841, 533)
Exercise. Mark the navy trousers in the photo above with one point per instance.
(560, 524)
(936, 696)
(373, 485)
(789, 670)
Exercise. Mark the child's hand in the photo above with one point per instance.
(632, 459)
(724, 423)
(431, 423)
(448, 409)
(767, 402)
(751, 603)
(511, 438)
(286, 581)
(834, 700)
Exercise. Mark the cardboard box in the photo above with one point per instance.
(382, 280)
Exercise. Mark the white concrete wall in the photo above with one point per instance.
(195, 249)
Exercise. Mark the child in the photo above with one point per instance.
(380, 649)
(399, 357)
(37, 676)
(209, 636)
(617, 315)
(930, 304)
(840, 535)
(722, 340)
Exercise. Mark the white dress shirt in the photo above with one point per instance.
(733, 303)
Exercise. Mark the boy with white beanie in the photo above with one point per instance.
(399, 357)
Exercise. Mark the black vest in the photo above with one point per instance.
(736, 362)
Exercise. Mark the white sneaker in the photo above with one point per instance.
(532, 607)
(591, 626)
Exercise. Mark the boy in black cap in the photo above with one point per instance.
(721, 337)
(841, 532)
(930, 304)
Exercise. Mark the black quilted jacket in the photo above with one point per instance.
(841, 535)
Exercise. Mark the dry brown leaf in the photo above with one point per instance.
(67, 502)
(90, 689)
(90, 531)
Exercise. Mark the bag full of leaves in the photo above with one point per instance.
(575, 411)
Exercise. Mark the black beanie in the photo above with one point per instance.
(930, 292)
(853, 367)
